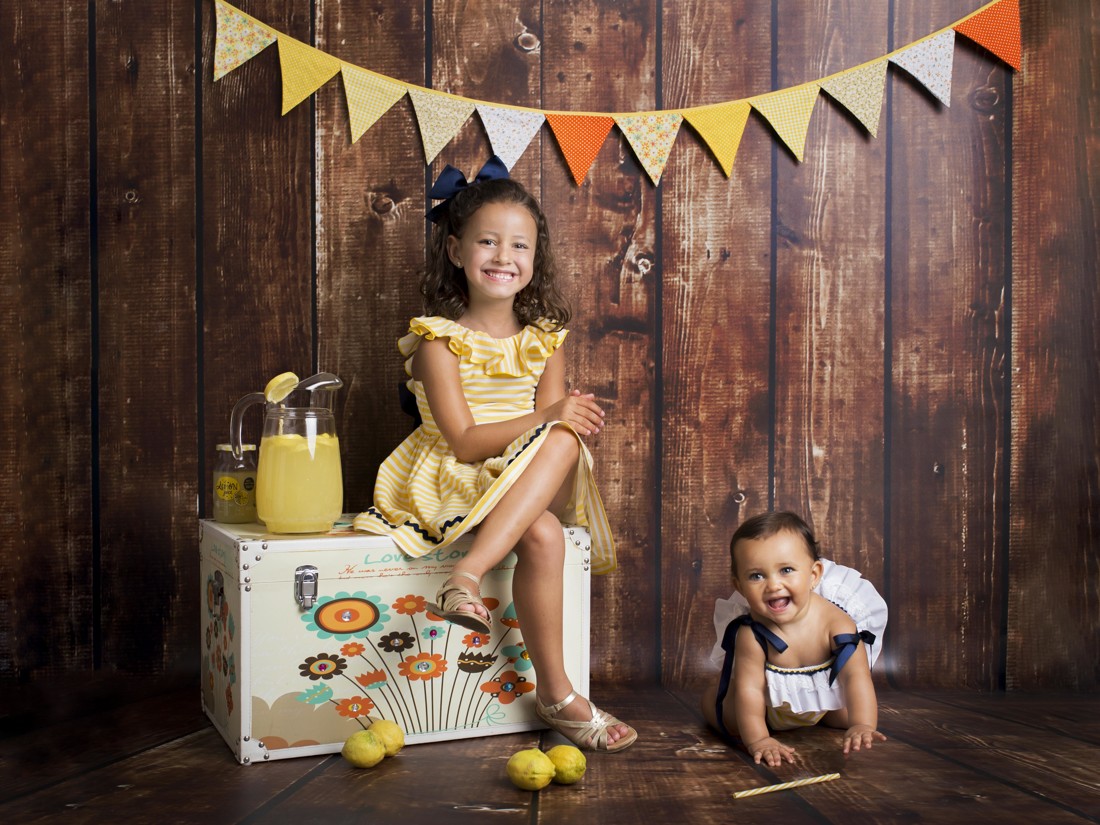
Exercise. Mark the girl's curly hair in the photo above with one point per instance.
(443, 285)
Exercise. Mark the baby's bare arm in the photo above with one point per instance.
(750, 690)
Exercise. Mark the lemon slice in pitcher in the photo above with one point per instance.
(280, 387)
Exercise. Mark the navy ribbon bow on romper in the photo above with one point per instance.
(846, 644)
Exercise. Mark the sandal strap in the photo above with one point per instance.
(470, 576)
(553, 710)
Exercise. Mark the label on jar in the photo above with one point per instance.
(234, 496)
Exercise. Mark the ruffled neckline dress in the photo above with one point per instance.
(424, 497)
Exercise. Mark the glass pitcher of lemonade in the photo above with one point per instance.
(299, 484)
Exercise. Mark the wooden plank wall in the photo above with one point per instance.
(896, 337)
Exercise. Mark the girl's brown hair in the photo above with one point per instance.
(443, 285)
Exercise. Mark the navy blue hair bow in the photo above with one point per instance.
(451, 181)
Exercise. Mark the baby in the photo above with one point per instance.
(788, 634)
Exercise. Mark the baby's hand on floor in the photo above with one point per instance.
(861, 736)
(771, 751)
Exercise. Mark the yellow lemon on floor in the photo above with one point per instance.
(569, 763)
(530, 769)
(363, 749)
(391, 735)
(280, 387)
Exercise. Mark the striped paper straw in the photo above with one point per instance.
(782, 786)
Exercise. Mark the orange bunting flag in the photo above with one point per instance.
(721, 127)
(305, 70)
(651, 136)
(997, 28)
(239, 39)
(440, 117)
(860, 91)
(369, 96)
(580, 138)
(788, 111)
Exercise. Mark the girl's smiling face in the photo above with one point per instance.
(776, 576)
(496, 251)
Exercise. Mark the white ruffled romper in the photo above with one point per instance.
(798, 697)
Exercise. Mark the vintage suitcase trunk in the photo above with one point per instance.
(305, 637)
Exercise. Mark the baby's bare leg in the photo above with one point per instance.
(708, 708)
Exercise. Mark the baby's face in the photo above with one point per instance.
(776, 575)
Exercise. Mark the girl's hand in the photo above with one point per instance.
(580, 411)
(771, 751)
(861, 736)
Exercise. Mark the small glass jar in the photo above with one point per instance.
(235, 485)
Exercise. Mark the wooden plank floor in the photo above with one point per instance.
(951, 757)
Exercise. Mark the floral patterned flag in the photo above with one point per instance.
(788, 111)
(580, 138)
(929, 61)
(440, 117)
(305, 70)
(721, 127)
(510, 130)
(239, 39)
(997, 28)
(369, 96)
(860, 91)
(651, 135)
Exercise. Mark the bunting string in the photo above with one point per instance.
(651, 134)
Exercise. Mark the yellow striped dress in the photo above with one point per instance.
(424, 497)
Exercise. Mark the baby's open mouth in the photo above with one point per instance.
(778, 604)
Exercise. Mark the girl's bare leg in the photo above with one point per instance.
(537, 588)
(537, 490)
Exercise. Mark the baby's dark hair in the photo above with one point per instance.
(443, 285)
(766, 525)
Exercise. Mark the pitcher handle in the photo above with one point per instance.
(236, 419)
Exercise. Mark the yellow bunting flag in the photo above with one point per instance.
(860, 91)
(651, 135)
(440, 117)
(721, 127)
(369, 97)
(930, 62)
(305, 70)
(239, 39)
(580, 138)
(788, 111)
(997, 28)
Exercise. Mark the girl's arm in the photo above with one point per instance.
(750, 690)
(861, 702)
(437, 368)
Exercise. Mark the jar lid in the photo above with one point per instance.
(229, 447)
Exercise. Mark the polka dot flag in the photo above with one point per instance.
(930, 61)
(580, 138)
(997, 28)
(788, 111)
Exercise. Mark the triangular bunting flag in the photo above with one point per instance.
(305, 70)
(510, 131)
(860, 91)
(997, 29)
(651, 136)
(440, 117)
(930, 62)
(369, 97)
(721, 127)
(238, 40)
(788, 111)
(580, 138)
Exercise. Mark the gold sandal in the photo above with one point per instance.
(452, 595)
(591, 734)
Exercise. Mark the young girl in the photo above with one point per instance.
(790, 631)
(500, 445)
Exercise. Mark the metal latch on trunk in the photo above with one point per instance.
(305, 586)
